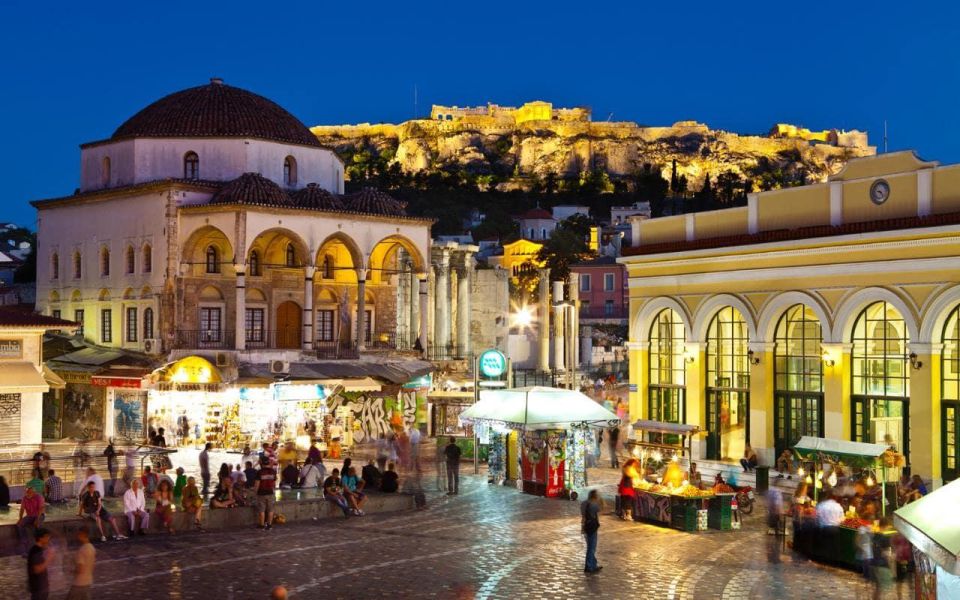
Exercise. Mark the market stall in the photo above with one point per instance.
(552, 423)
(852, 473)
(932, 525)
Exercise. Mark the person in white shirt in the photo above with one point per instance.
(93, 476)
(829, 513)
(310, 474)
(135, 505)
(239, 479)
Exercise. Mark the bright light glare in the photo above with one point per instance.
(523, 317)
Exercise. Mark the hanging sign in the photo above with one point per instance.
(492, 363)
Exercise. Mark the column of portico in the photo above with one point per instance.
(558, 327)
(836, 390)
(441, 324)
(463, 309)
(361, 307)
(415, 307)
(424, 287)
(543, 325)
(307, 339)
(240, 313)
(925, 416)
(761, 402)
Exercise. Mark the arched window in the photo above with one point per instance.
(105, 172)
(213, 260)
(798, 377)
(327, 267)
(147, 258)
(880, 378)
(191, 166)
(291, 256)
(131, 260)
(728, 385)
(55, 266)
(147, 323)
(290, 171)
(104, 261)
(254, 263)
(667, 388)
(77, 265)
(950, 394)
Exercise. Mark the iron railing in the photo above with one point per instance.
(204, 338)
(335, 349)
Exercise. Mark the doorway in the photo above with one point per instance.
(796, 415)
(289, 325)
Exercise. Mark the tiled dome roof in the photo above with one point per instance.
(314, 196)
(373, 201)
(251, 188)
(216, 110)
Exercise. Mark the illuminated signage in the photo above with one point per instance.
(118, 382)
(492, 363)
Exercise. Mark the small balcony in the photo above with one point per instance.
(204, 339)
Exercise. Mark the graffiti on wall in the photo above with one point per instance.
(128, 410)
(83, 409)
(372, 411)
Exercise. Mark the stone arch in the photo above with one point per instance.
(146, 292)
(210, 294)
(346, 255)
(649, 311)
(255, 295)
(712, 305)
(271, 244)
(54, 296)
(383, 256)
(326, 295)
(936, 313)
(853, 304)
(774, 308)
(194, 249)
(104, 295)
(129, 294)
(76, 296)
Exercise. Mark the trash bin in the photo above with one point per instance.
(763, 479)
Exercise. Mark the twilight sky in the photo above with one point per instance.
(74, 71)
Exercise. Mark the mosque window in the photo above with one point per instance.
(77, 265)
(289, 171)
(213, 260)
(291, 256)
(105, 172)
(105, 261)
(131, 260)
(147, 258)
(254, 264)
(191, 166)
(55, 266)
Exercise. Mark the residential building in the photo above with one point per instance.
(603, 290)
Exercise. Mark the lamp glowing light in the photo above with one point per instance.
(523, 317)
(636, 452)
(809, 480)
(869, 481)
(801, 472)
(656, 456)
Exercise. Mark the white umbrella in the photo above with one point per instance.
(539, 408)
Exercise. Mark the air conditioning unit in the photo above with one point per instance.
(223, 359)
(279, 367)
(151, 346)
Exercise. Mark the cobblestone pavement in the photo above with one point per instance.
(488, 542)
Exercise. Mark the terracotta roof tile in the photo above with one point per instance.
(252, 188)
(216, 110)
(19, 318)
(373, 201)
(314, 196)
(536, 213)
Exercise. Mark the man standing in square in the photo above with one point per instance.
(452, 453)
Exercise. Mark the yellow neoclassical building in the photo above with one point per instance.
(828, 309)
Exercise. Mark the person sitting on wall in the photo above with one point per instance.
(749, 461)
(223, 494)
(289, 476)
(785, 464)
(333, 492)
(390, 481)
(353, 490)
(310, 475)
(371, 474)
(53, 488)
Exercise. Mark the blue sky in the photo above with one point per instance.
(72, 72)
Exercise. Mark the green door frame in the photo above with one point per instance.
(712, 411)
(784, 435)
(861, 405)
(950, 414)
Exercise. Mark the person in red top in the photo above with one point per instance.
(32, 513)
(625, 493)
(266, 485)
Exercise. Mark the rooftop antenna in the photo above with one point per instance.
(884, 136)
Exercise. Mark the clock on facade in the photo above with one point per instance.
(879, 191)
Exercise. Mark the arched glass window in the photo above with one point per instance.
(77, 265)
(104, 261)
(147, 258)
(798, 376)
(880, 377)
(105, 172)
(213, 260)
(254, 263)
(191, 166)
(148, 323)
(727, 385)
(131, 260)
(327, 267)
(667, 369)
(55, 266)
(289, 171)
(950, 394)
(291, 256)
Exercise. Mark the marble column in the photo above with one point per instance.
(573, 327)
(424, 287)
(543, 314)
(558, 326)
(415, 308)
(240, 313)
(441, 324)
(307, 338)
(463, 310)
(361, 308)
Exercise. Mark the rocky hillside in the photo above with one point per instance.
(519, 155)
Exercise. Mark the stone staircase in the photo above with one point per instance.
(710, 468)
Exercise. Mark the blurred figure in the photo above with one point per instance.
(774, 518)
(590, 525)
(84, 560)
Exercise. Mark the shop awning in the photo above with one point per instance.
(932, 524)
(539, 408)
(809, 446)
(53, 380)
(662, 427)
(23, 376)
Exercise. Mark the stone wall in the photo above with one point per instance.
(489, 309)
